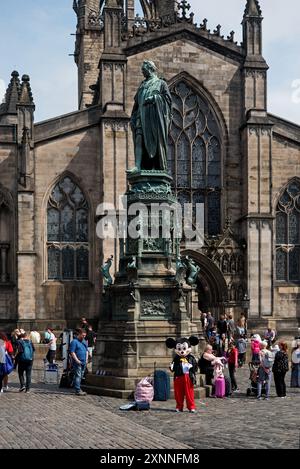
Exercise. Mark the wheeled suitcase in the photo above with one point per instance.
(161, 385)
(219, 387)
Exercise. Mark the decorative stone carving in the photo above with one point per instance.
(151, 307)
(105, 272)
(153, 244)
(116, 125)
(192, 271)
(151, 188)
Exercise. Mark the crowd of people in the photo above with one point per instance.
(17, 352)
(226, 346)
(227, 343)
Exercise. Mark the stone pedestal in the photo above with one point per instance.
(146, 304)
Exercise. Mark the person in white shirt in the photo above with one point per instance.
(295, 378)
(52, 346)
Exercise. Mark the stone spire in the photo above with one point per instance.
(252, 8)
(12, 95)
(252, 29)
(25, 97)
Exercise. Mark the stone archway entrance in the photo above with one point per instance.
(211, 284)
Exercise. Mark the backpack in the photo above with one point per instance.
(27, 351)
(268, 360)
(144, 391)
(161, 385)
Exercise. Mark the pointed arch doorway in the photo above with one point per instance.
(211, 284)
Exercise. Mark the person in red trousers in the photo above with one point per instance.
(184, 367)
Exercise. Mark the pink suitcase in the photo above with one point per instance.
(219, 387)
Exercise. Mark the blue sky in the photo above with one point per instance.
(35, 38)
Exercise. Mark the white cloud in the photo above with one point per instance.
(2, 90)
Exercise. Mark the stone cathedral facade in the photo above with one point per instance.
(225, 151)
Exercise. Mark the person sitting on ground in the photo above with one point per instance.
(205, 364)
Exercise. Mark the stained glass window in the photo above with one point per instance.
(288, 234)
(67, 232)
(194, 157)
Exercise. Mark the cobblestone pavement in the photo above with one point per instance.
(57, 419)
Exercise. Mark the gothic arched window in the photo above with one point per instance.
(67, 232)
(288, 234)
(194, 157)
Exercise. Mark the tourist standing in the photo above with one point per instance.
(295, 378)
(8, 351)
(280, 368)
(242, 349)
(2, 362)
(79, 353)
(204, 321)
(230, 327)
(15, 336)
(210, 324)
(222, 325)
(266, 358)
(232, 358)
(91, 340)
(84, 325)
(52, 346)
(242, 325)
(25, 357)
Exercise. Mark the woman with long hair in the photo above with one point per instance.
(280, 368)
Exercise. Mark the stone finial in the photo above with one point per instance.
(252, 8)
(25, 92)
(12, 94)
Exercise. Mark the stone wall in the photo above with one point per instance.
(79, 156)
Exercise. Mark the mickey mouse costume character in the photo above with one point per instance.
(184, 367)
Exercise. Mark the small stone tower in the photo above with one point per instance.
(88, 47)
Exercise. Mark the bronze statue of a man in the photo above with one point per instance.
(150, 121)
